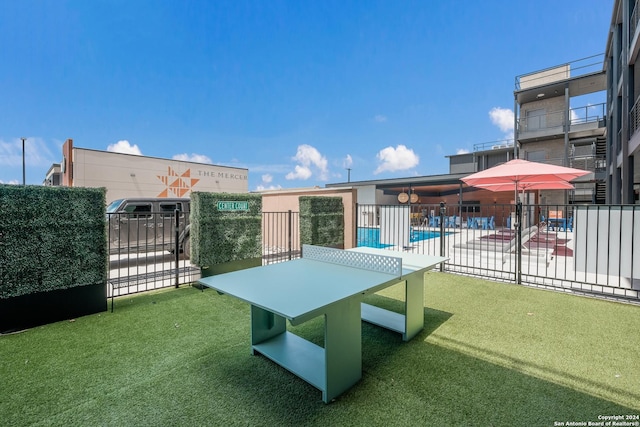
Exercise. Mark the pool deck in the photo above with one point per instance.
(550, 262)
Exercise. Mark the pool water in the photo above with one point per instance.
(370, 237)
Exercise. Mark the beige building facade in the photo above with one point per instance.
(128, 175)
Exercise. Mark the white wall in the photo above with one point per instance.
(606, 239)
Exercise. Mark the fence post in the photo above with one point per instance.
(518, 242)
(443, 212)
(289, 232)
(177, 249)
(355, 243)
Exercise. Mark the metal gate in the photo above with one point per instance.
(280, 236)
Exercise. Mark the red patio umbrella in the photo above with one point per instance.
(560, 185)
(524, 175)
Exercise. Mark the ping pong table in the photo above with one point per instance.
(329, 282)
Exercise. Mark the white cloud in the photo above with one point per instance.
(265, 184)
(347, 162)
(309, 159)
(36, 153)
(573, 116)
(300, 172)
(11, 153)
(380, 118)
(503, 118)
(124, 147)
(261, 187)
(12, 182)
(462, 151)
(396, 159)
(193, 157)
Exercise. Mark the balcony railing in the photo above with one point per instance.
(555, 119)
(575, 68)
(493, 145)
(588, 162)
(634, 118)
(633, 22)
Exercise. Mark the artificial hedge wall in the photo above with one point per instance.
(223, 236)
(51, 238)
(322, 221)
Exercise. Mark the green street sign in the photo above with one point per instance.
(233, 206)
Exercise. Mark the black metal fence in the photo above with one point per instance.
(150, 250)
(280, 236)
(147, 251)
(589, 249)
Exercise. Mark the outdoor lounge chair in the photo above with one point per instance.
(507, 245)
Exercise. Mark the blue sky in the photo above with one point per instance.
(295, 91)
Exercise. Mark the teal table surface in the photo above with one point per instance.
(333, 283)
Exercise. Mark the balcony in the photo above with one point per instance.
(494, 145)
(634, 118)
(559, 73)
(584, 121)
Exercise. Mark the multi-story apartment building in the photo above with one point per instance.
(560, 118)
(623, 95)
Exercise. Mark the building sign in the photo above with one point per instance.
(233, 206)
(177, 185)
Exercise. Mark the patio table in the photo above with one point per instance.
(330, 283)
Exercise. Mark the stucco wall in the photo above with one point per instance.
(285, 200)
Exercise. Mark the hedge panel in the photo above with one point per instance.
(322, 221)
(51, 238)
(219, 236)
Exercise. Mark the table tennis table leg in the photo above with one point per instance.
(414, 306)
(265, 325)
(343, 347)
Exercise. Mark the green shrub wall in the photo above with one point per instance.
(322, 221)
(51, 238)
(219, 237)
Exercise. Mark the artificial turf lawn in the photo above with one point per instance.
(491, 354)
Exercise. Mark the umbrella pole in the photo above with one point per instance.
(518, 229)
(519, 242)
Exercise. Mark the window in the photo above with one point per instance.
(536, 119)
(536, 156)
(113, 206)
(470, 207)
(167, 209)
(138, 210)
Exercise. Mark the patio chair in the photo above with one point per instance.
(508, 247)
(569, 225)
(491, 223)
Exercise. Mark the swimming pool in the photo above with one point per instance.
(370, 237)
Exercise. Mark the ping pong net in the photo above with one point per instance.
(366, 261)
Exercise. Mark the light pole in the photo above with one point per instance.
(23, 173)
(348, 174)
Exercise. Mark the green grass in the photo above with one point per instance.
(492, 354)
